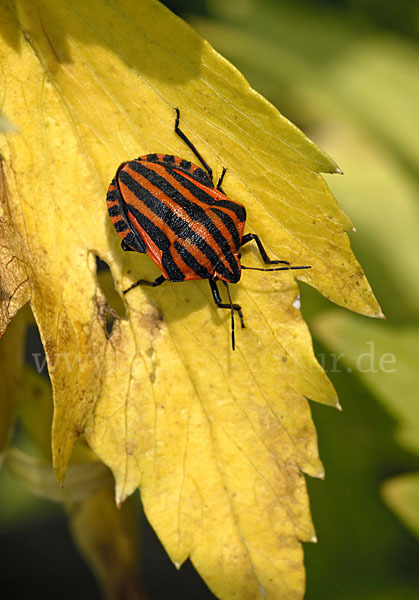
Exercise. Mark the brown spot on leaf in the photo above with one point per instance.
(152, 321)
(106, 315)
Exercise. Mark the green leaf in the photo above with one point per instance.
(386, 360)
(402, 494)
(11, 359)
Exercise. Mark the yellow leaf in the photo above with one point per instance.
(5, 125)
(14, 284)
(35, 417)
(216, 440)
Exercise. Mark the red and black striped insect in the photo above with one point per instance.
(169, 208)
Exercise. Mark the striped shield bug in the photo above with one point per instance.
(169, 209)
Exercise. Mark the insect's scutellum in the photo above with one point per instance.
(169, 208)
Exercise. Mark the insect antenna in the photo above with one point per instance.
(233, 337)
(288, 268)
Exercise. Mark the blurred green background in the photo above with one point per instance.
(347, 73)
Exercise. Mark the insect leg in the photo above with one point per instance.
(191, 146)
(252, 236)
(220, 181)
(217, 299)
(154, 283)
